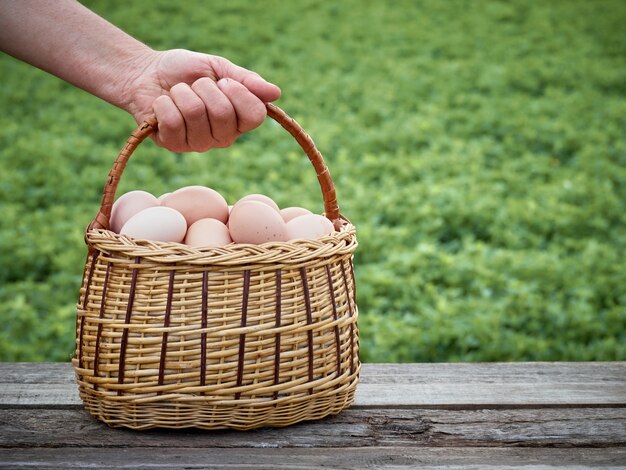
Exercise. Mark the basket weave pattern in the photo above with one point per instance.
(239, 337)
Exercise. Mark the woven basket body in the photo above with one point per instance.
(235, 337)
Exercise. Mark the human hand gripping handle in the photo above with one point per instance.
(200, 101)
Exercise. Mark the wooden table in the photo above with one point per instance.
(531, 415)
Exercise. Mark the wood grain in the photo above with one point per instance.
(502, 372)
(464, 416)
(510, 372)
(312, 459)
(588, 427)
(399, 385)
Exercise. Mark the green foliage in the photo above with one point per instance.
(479, 148)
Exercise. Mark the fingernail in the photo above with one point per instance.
(221, 82)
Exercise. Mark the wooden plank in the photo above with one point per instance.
(501, 372)
(406, 385)
(406, 416)
(36, 373)
(509, 372)
(312, 459)
(588, 427)
(494, 384)
(476, 395)
(39, 396)
(453, 395)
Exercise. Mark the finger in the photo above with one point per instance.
(171, 133)
(194, 113)
(249, 108)
(257, 85)
(222, 117)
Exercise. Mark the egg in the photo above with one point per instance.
(289, 213)
(207, 232)
(129, 204)
(256, 222)
(309, 227)
(161, 224)
(163, 196)
(259, 198)
(197, 202)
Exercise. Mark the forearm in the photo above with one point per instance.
(201, 101)
(66, 39)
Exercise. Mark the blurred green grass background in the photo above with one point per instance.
(478, 146)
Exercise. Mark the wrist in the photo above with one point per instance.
(70, 41)
(124, 74)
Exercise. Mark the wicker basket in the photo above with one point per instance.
(241, 336)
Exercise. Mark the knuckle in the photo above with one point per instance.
(202, 83)
(194, 109)
(178, 88)
(221, 112)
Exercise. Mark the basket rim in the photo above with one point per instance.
(340, 243)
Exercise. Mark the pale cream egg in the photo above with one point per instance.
(259, 198)
(129, 204)
(256, 222)
(289, 213)
(309, 227)
(160, 224)
(197, 202)
(207, 232)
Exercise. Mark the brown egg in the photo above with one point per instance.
(197, 202)
(309, 227)
(129, 204)
(260, 198)
(256, 222)
(163, 196)
(160, 224)
(207, 232)
(289, 213)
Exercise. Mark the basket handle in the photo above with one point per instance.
(331, 207)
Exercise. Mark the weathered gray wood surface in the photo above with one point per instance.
(313, 459)
(529, 415)
(397, 385)
(356, 427)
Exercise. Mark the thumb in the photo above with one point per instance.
(257, 85)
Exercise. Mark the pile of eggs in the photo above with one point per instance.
(200, 217)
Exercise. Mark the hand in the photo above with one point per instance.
(200, 101)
